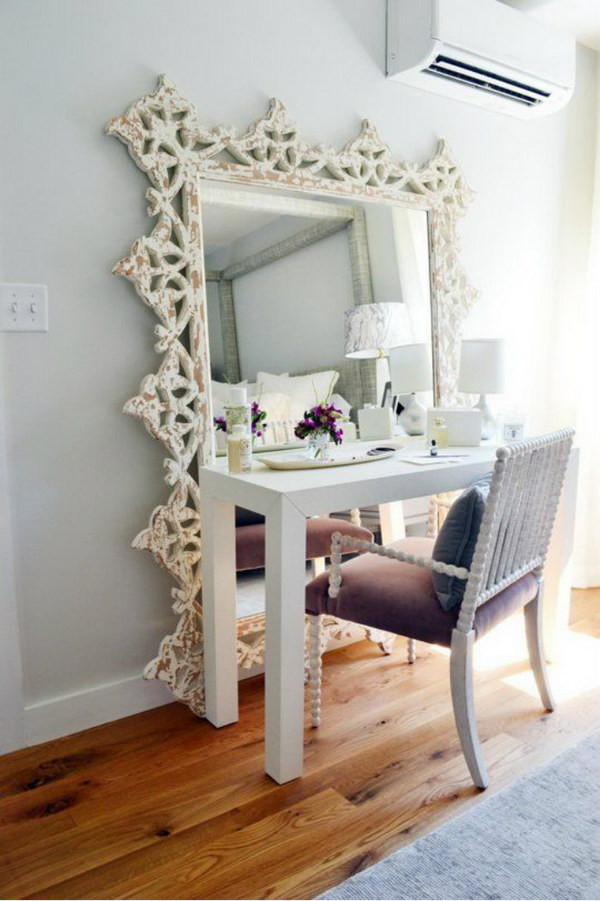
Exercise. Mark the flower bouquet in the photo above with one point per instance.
(321, 424)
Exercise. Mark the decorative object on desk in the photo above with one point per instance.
(239, 449)
(375, 422)
(238, 410)
(410, 369)
(389, 400)
(482, 372)
(463, 425)
(258, 421)
(387, 397)
(320, 424)
(513, 426)
(345, 457)
(372, 329)
(439, 433)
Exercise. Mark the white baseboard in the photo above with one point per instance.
(70, 713)
(66, 714)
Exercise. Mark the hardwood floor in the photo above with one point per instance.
(161, 805)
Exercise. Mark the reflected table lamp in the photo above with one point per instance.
(410, 369)
(482, 364)
(372, 329)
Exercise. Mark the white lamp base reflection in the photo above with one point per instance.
(488, 420)
(413, 418)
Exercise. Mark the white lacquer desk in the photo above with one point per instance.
(286, 499)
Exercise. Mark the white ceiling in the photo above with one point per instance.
(579, 17)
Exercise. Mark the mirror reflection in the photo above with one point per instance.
(289, 282)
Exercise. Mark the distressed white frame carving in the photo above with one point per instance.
(169, 143)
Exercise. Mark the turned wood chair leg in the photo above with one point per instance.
(461, 683)
(315, 667)
(534, 631)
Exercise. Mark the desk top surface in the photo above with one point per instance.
(383, 480)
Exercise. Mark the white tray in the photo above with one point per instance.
(301, 461)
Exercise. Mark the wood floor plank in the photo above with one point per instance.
(114, 811)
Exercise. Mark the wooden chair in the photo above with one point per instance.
(392, 587)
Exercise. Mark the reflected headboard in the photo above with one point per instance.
(357, 381)
(352, 384)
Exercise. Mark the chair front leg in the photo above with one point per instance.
(534, 631)
(315, 668)
(412, 650)
(461, 684)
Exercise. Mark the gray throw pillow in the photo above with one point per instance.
(456, 541)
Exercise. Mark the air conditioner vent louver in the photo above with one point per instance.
(484, 80)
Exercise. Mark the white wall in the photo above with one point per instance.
(84, 478)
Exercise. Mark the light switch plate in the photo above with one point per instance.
(23, 308)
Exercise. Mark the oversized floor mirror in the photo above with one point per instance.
(261, 245)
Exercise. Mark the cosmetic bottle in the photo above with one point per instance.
(239, 450)
(237, 410)
(440, 432)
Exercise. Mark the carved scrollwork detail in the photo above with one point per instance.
(166, 139)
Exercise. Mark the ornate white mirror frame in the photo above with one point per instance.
(168, 142)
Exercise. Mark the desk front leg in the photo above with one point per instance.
(219, 611)
(284, 641)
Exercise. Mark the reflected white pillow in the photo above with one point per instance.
(341, 403)
(304, 391)
(276, 406)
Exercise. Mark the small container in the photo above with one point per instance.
(237, 410)
(239, 449)
(433, 451)
(375, 423)
(513, 426)
(440, 432)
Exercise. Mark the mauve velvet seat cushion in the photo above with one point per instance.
(250, 540)
(400, 598)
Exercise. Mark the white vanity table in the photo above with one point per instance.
(286, 499)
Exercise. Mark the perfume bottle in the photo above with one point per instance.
(440, 432)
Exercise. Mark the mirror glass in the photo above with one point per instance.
(282, 270)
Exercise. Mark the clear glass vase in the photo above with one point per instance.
(319, 446)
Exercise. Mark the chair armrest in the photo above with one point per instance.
(339, 541)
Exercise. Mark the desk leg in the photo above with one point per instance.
(284, 641)
(219, 611)
(558, 571)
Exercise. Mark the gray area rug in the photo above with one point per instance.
(537, 839)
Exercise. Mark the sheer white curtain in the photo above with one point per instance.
(586, 570)
(575, 360)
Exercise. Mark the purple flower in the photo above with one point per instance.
(321, 419)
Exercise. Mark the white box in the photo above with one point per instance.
(464, 425)
(375, 423)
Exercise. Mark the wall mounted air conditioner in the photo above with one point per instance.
(481, 52)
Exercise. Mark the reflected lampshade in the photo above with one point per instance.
(373, 328)
(482, 366)
(410, 368)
